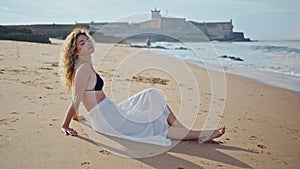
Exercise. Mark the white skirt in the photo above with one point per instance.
(142, 118)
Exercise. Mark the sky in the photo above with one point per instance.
(258, 19)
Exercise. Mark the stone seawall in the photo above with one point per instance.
(36, 33)
(55, 31)
(22, 34)
(221, 31)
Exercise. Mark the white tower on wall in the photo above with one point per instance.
(155, 13)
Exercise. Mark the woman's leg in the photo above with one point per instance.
(172, 120)
(180, 133)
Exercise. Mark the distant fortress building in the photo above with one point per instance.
(167, 28)
(158, 28)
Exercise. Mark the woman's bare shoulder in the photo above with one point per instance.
(83, 68)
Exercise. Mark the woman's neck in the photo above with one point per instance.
(86, 59)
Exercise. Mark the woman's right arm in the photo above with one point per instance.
(68, 118)
(80, 81)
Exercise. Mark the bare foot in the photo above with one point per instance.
(217, 133)
(208, 135)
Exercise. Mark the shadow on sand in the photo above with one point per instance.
(168, 158)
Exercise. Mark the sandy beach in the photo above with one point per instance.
(262, 128)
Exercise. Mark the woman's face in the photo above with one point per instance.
(84, 45)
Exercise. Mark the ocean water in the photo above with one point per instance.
(275, 63)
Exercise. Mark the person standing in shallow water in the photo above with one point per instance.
(155, 124)
(148, 43)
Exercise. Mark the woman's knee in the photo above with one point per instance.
(152, 90)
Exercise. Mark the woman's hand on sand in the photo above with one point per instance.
(69, 131)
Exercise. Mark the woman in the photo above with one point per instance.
(144, 117)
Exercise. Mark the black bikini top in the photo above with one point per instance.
(99, 84)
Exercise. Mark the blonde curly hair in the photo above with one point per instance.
(69, 56)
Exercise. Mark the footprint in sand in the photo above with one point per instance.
(31, 112)
(104, 152)
(49, 88)
(51, 64)
(261, 146)
(253, 138)
(153, 80)
(62, 98)
(7, 121)
(85, 163)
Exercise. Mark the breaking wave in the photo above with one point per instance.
(282, 49)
